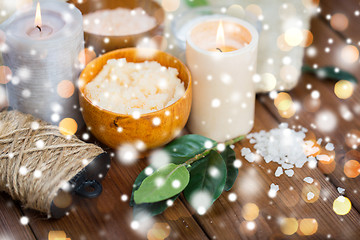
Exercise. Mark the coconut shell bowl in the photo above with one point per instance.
(98, 43)
(104, 124)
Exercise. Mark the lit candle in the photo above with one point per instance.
(220, 41)
(42, 50)
(39, 30)
(222, 56)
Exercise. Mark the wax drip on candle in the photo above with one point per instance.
(220, 41)
(39, 31)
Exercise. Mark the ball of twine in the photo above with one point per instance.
(36, 160)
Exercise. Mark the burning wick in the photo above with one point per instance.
(38, 22)
(216, 48)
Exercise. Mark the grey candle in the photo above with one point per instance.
(42, 53)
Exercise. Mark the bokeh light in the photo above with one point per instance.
(65, 89)
(342, 205)
(68, 126)
(250, 211)
(349, 54)
(160, 42)
(254, 9)
(269, 81)
(5, 74)
(311, 192)
(343, 89)
(352, 139)
(248, 228)
(86, 55)
(308, 38)
(289, 73)
(63, 199)
(159, 158)
(159, 231)
(127, 154)
(282, 45)
(310, 4)
(290, 112)
(308, 226)
(310, 104)
(339, 22)
(54, 235)
(283, 101)
(170, 5)
(288, 226)
(236, 10)
(326, 163)
(293, 37)
(201, 201)
(352, 168)
(326, 121)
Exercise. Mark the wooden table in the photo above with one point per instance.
(108, 217)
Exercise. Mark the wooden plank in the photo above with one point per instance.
(225, 221)
(10, 226)
(329, 101)
(108, 217)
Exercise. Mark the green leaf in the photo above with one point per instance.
(160, 185)
(207, 174)
(229, 157)
(196, 3)
(140, 178)
(151, 209)
(330, 73)
(186, 147)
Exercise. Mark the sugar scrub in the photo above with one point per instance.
(118, 22)
(132, 88)
(288, 148)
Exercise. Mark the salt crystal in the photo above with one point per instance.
(250, 157)
(309, 180)
(323, 157)
(310, 195)
(300, 163)
(268, 159)
(290, 172)
(341, 190)
(286, 147)
(273, 190)
(245, 151)
(278, 172)
(287, 166)
(329, 146)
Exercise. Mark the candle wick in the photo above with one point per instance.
(38, 27)
(218, 49)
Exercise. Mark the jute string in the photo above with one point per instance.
(59, 160)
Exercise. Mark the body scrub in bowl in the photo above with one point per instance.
(110, 24)
(134, 88)
(135, 96)
(118, 22)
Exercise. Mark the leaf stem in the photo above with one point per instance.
(207, 151)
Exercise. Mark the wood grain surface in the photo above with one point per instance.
(109, 217)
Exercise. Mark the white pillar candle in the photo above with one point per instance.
(223, 91)
(41, 55)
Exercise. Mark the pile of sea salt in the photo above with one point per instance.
(288, 148)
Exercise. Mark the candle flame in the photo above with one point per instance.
(220, 36)
(38, 22)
